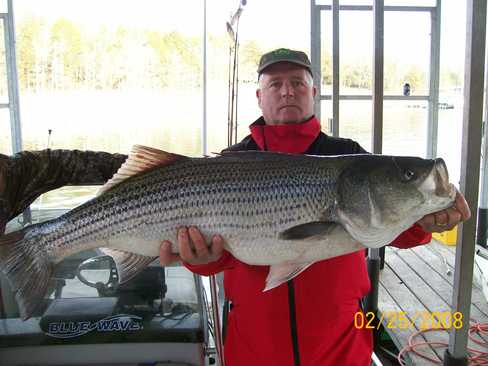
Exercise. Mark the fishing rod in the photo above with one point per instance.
(231, 138)
(230, 91)
(234, 74)
(236, 68)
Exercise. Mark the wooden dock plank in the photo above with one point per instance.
(411, 305)
(422, 288)
(433, 261)
(439, 284)
(387, 305)
(415, 281)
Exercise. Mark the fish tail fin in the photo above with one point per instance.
(26, 268)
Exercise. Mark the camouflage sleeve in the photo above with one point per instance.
(26, 175)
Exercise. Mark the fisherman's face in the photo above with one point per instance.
(285, 94)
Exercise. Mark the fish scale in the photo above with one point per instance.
(282, 210)
(175, 185)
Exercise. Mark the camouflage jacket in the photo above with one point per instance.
(27, 174)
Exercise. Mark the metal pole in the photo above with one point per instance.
(432, 125)
(204, 126)
(234, 74)
(213, 286)
(374, 260)
(315, 55)
(229, 118)
(335, 68)
(237, 80)
(12, 80)
(482, 227)
(456, 354)
(13, 89)
(219, 343)
(378, 45)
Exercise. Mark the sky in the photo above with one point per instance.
(273, 23)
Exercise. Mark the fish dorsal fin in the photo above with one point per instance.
(141, 158)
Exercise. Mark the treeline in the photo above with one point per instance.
(360, 75)
(63, 55)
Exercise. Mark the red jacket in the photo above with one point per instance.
(310, 320)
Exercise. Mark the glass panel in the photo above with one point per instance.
(326, 50)
(64, 198)
(110, 81)
(451, 100)
(326, 116)
(450, 133)
(5, 132)
(356, 2)
(3, 67)
(220, 61)
(356, 52)
(252, 44)
(387, 2)
(105, 80)
(405, 128)
(356, 121)
(407, 53)
(411, 2)
(217, 112)
(84, 298)
(112, 120)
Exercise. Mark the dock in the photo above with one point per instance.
(415, 294)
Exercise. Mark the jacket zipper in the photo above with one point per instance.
(293, 322)
(291, 303)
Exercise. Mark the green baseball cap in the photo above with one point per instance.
(284, 55)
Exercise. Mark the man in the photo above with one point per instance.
(309, 320)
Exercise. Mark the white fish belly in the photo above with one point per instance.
(255, 250)
(269, 251)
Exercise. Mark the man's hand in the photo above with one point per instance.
(446, 219)
(192, 248)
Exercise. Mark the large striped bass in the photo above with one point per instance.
(286, 211)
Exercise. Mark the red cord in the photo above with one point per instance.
(475, 357)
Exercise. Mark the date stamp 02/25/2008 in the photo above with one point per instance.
(403, 320)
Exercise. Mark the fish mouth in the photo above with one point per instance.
(437, 190)
(441, 177)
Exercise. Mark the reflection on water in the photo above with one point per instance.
(172, 120)
(113, 121)
(405, 128)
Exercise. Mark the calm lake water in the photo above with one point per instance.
(172, 120)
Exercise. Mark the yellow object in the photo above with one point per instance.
(447, 237)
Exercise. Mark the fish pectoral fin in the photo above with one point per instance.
(141, 158)
(128, 264)
(281, 273)
(308, 230)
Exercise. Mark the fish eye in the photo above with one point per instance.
(408, 174)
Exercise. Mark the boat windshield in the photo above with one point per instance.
(85, 302)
